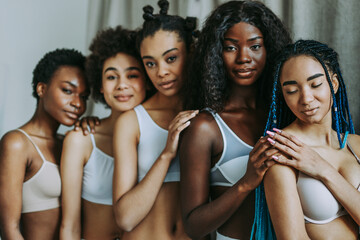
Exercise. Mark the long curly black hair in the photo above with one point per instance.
(207, 82)
(105, 45)
(51, 62)
(184, 27)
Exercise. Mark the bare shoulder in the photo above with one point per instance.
(280, 172)
(127, 123)
(13, 145)
(77, 139)
(204, 122)
(354, 141)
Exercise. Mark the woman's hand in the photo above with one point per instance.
(298, 155)
(260, 160)
(179, 123)
(85, 123)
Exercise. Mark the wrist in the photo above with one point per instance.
(244, 187)
(166, 156)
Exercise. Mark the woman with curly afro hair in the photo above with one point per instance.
(30, 155)
(222, 159)
(117, 80)
(146, 170)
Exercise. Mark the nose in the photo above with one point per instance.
(243, 56)
(306, 96)
(163, 70)
(121, 83)
(76, 103)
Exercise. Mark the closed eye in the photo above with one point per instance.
(317, 85)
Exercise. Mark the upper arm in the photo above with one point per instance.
(75, 152)
(125, 141)
(13, 162)
(195, 153)
(284, 203)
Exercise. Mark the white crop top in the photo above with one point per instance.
(318, 203)
(232, 164)
(42, 191)
(98, 176)
(152, 142)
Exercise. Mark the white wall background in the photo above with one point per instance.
(29, 29)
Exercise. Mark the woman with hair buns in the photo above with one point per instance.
(146, 168)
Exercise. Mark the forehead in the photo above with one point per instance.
(160, 42)
(122, 60)
(73, 75)
(243, 30)
(300, 67)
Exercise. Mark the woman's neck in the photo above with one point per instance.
(161, 101)
(108, 123)
(242, 97)
(320, 133)
(43, 125)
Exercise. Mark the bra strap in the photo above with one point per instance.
(36, 147)
(352, 151)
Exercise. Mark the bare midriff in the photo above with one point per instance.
(98, 222)
(164, 220)
(42, 225)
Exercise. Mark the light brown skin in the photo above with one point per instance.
(123, 86)
(231, 209)
(150, 209)
(61, 101)
(314, 151)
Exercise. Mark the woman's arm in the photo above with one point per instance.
(13, 161)
(284, 203)
(75, 153)
(311, 163)
(132, 200)
(196, 149)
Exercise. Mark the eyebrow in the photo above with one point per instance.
(127, 69)
(70, 83)
(291, 82)
(166, 52)
(249, 40)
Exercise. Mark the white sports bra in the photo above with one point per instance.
(42, 191)
(318, 203)
(98, 176)
(232, 164)
(152, 142)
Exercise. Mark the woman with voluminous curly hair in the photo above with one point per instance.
(222, 159)
(117, 80)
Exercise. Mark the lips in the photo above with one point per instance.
(122, 98)
(310, 111)
(72, 115)
(167, 84)
(244, 72)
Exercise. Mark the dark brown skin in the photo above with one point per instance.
(231, 209)
(61, 101)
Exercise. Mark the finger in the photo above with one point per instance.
(77, 125)
(182, 118)
(259, 150)
(283, 140)
(285, 161)
(84, 126)
(283, 148)
(288, 136)
(92, 124)
(97, 121)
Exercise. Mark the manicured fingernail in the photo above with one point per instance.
(277, 130)
(271, 141)
(275, 157)
(271, 134)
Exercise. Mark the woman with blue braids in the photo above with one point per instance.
(222, 159)
(314, 192)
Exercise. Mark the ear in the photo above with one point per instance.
(41, 89)
(101, 90)
(335, 82)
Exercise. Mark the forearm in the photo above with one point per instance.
(67, 232)
(10, 231)
(134, 205)
(210, 216)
